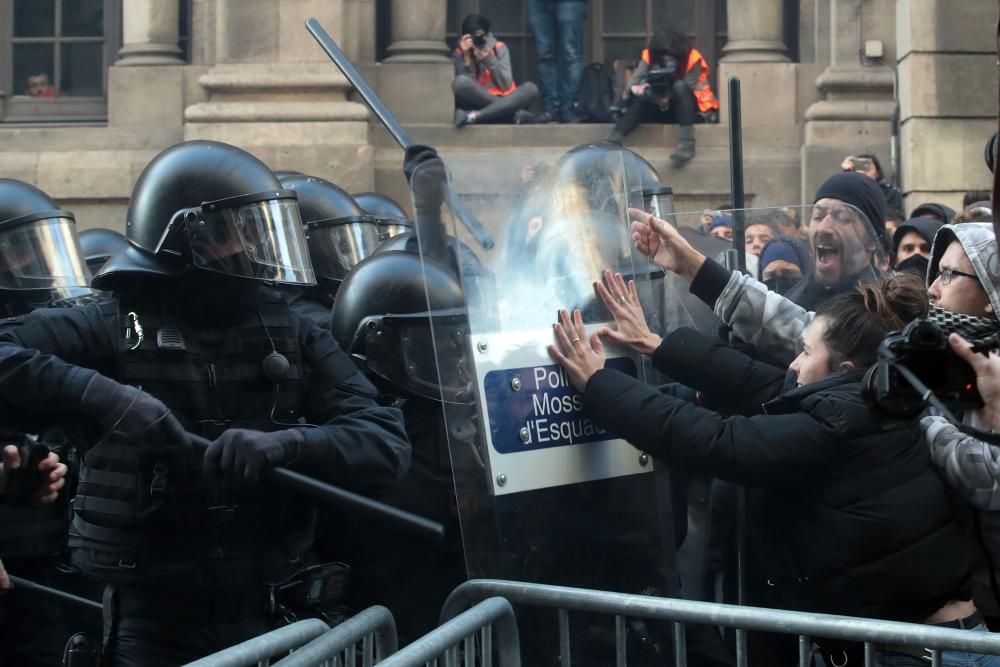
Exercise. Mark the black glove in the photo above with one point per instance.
(242, 454)
(130, 413)
(416, 155)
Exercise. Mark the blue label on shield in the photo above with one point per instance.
(545, 412)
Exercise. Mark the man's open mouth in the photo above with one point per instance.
(827, 253)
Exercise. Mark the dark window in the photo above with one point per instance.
(59, 54)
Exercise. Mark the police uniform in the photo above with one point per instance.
(187, 557)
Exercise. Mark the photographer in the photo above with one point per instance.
(670, 85)
(484, 84)
(849, 516)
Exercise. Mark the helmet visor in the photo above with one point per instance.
(335, 248)
(261, 240)
(42, 254)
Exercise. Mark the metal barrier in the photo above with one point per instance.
(257, 652)
(372, 632)
(456, 640)
(806, 625)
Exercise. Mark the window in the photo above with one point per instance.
(57, 54)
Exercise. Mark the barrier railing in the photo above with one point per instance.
(467, 639)
(259, 650)
(364, 639)
(805, 625)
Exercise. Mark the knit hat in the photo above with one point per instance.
(926, 227)
(860, 192)
(780, 249)
(934, 210)
(721, 221)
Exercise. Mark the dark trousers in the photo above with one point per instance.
(682, 110)
(154, 630)
(471, 96)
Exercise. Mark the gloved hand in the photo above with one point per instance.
(241, 454)
(415, 156)
(130, 413)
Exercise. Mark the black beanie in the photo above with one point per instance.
(861, 192)
(474, 22)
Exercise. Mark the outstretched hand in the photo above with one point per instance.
(580, 356)
(623, 302)
(664, 245)
(987, 379)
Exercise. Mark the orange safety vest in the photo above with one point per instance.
(702, 91)
(485, 79)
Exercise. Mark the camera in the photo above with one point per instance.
(922, 349)
(661, 77)
(479, 41)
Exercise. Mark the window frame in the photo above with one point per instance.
(23, 108)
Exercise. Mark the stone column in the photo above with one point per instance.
(755, 32)
(144, 84)
(149, 33)
(272, 90)
(417, 66)
(854, 110)
(947, 95)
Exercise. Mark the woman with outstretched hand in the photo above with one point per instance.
(847, 513)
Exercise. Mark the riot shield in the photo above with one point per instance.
(543, 493)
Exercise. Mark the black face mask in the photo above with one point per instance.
(914, 264)
(782, 281)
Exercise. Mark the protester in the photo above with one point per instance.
(869, 165)
(849, 516)
(721, 227)
(557, 26)
(756, 235)
(893, 219)
(484, 82)
(670, 85)
(934, 210)
(912, 244)
(781, 264)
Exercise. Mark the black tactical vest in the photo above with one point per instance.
(145, 515)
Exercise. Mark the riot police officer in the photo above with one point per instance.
(389, 215)
(99, 245)
(185, 541)
(40, 265)
(380, 318)
(339, 235)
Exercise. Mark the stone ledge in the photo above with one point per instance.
(851, 110)
(275, 111)
(273, 77)
(86, 138)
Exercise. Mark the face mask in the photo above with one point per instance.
(914, 264)
(782, 281)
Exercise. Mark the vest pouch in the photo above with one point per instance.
(127, 485)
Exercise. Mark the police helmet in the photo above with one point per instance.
(99, 245)
(40, 258)
(380, 317)
(339, 233)
(211, 206)
(389, 216)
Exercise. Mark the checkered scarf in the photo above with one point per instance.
(976, 330)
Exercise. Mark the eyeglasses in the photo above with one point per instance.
(948, 274)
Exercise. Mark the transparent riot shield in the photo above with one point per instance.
(543, 493)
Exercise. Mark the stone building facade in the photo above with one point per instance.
(820, 79)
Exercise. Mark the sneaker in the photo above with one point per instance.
(569, 116)
(461, 118)
(523, 117)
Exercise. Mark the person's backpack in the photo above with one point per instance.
(596, 95)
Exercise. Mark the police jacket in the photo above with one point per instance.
(203, 533)
(847, 515)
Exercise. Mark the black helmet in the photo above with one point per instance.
(99, 244)
(380, 317)
(212, 206)
(642, 182)
(389, 216)
(40, 258)
(338, 232)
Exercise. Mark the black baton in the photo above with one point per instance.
(53, 592)
(397, 131)
(328, 494)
